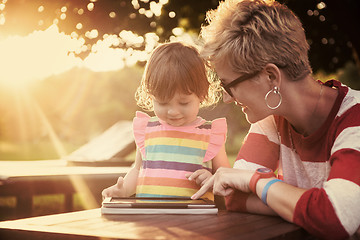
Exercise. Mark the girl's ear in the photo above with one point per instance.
(273, 75)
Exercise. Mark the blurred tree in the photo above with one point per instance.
(329, 27)
(90, 102)
(329, 24)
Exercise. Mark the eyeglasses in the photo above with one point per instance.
(227, 87)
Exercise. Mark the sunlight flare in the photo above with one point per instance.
(45, 53)
(36, 56)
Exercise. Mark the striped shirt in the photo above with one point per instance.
(327, 163)
(169, 152)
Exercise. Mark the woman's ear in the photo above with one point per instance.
(273, 74)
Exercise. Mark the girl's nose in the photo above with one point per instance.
(172, 111)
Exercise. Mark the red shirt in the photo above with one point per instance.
(327, 163)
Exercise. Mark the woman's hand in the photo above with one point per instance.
(117, 190)
(225, 180)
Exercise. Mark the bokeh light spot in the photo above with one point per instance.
(90, 6)
(41, 9)
(172, 14)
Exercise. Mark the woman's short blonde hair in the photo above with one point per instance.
(175, 67)
(248, 34)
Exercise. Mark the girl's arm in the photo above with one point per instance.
(131, 177)
(125, 187)
(220, 160)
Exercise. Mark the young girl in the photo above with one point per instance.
(176, 144)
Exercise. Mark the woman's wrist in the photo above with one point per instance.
(266, 189)
(260, 186)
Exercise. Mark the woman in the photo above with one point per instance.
(305, 131)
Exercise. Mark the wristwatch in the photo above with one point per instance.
(260, 173)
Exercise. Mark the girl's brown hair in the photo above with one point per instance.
(174, 67)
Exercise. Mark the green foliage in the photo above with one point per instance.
(350, 75)
(76, 106)
(42, 205)
(52, 204)
(84, 103)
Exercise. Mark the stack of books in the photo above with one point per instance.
(150, 205)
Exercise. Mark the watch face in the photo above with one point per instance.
(264, 170)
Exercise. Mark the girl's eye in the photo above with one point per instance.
(160, 102)
(184, 103)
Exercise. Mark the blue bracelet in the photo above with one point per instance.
(266, 188)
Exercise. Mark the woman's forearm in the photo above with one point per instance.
(255, 205)
(281, 197)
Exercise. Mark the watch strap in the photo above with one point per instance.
(259, 173)
(253, 181)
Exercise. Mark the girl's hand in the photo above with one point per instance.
(199, 176)
(116, 190)
(225, 180)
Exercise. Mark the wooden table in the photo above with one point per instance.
(90, 224)
(24, 179)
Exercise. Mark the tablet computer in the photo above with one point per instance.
(155, 202)
(149, 205)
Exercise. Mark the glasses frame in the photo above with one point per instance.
(227, 87)
(233, 83)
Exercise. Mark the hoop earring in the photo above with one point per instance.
(275, 90)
